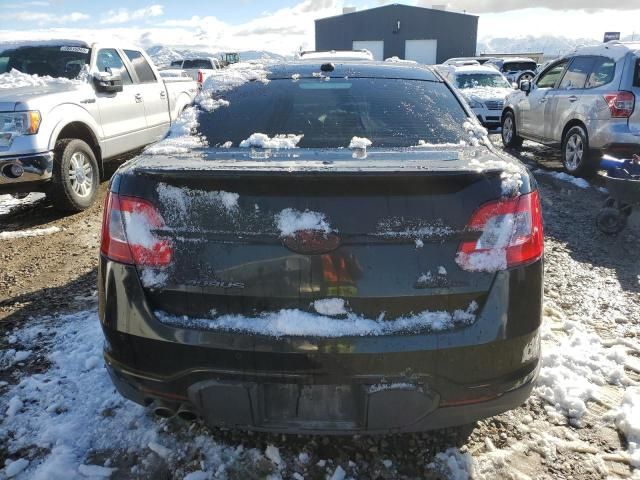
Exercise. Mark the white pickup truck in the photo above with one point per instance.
(198, 68)
(67, 107)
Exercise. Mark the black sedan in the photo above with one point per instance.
(344, 252)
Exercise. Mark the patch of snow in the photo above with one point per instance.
(35, 232)
(419, 243)
(417, 229)
(299, 323)
(387, 463)
(295, 77)
(290, 221)
(261, 140)
(338, 473)
(628, 422)
(511, 175)
(22, 355)
(139, 230)
(360, 142)
(453, 465)
(181, 203)
(17, 79)
(95, 471)
(234, 76)
(9, 202)
(273, 454)
(227, 144)
(482, 94)
(330, 306)
(197, 475)
(442, 270)
(211, 104)
(565, 177)
(396, 59)
(154, 278)
(392, 386)
(15, 404)
(425, 144)
(160, 450)
(477, 134)
(13, 468)
(181, 138)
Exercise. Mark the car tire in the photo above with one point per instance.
(75, 176)
(576, 158)
(611, 220)
(510, 137)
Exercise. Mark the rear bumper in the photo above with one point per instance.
(615, 138)
(395, 383)
(35, 169)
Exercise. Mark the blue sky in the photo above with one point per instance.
(284, 26)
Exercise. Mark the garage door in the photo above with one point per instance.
(421, 51)
(376, 47)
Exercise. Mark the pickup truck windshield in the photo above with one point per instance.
(519, 66)
(473, 80)
(389, 112)
(54, 61)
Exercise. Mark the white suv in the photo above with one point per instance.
(584, 103)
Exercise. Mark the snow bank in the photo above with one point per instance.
(289, 221)
(261, 140)
(72, 410)
(628, 422)
(35, 232)
(182, 136)
(17, 79)
(298, 323)
(9, 202)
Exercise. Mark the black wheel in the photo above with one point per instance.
(611, 220)
(576, 158)
(510, 137)
(75, 176)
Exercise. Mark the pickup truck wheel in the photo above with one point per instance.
(510, 137)
(75, 176)
(575, 153)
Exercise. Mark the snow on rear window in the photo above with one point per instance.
(298, 323)
(182, 137)
(260, 140)
(289, 221)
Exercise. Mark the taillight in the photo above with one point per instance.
(200, 77)
(510, 235)
(129, 232)
(621, 104)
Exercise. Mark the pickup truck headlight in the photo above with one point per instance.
(14, 124)
(474, 103)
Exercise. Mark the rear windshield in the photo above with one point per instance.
(518, 66)
(389, 112)
(473, 80)
(203, 63)
(54, 61)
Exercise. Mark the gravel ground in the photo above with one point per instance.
(592, 308)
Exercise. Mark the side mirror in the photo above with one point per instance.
(107, 82)
(525, 86)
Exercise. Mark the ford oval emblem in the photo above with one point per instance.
(312, 242)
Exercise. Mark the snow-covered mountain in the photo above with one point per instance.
(163, 55)
(550, 45)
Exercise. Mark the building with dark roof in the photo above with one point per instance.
(425, 35)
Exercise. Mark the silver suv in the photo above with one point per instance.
(583, 103)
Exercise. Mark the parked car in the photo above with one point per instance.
(515, 69)
(198, 69)
(583, 103)
(89, 103)
(338, 271)
(484, 89)
(462, 61)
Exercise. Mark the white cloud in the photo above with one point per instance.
(123, 15)
(25, 4)
(42, 18)
(494, 6)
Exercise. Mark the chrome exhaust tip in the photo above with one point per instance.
(163, 410)
(185, 413)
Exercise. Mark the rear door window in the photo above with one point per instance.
(176, 63)
(577, 73)
(602, 73)
(636, 74)
(550, 77)
(198, 63)
(141, 66)
(108, 60)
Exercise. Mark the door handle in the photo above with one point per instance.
(573, 98)
(163, 94)
(138, 98)
(543, 100)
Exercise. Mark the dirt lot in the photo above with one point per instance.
(572, 427)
